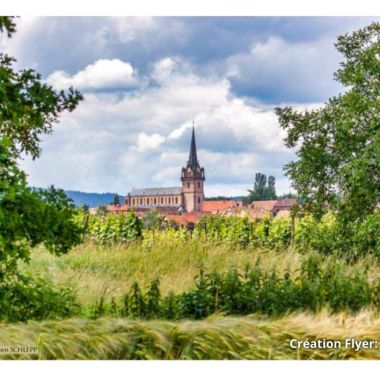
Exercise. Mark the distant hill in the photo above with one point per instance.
(222, 198)
(91, 199)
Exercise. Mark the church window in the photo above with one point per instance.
(188, 185)
(133, 201)
(176, 199)
(140, 201)
(155, 201)
(199, 185)
(147, 201)
(199, 200)
(162, 200)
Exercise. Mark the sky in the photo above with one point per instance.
(145, 80)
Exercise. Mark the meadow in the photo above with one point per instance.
(290, 291)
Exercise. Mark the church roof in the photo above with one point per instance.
(193, 160)
(154, 191)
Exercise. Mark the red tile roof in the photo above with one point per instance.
(258, 213)
(217, 206)
(184, 219)
(263, 205)
(117, 209)
(286, 203)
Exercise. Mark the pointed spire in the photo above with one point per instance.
(193, 160)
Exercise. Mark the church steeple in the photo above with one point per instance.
(193, 177)
(193, 160)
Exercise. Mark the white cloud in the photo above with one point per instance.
(147, 142)
(163, 69)
(129, 27)
(103, 74)
(115, 142)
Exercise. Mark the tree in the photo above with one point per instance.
(289, 195)
(271, 189)
(338, 145)
(152, 220)
(29, 108)
(116, 200)
(218, 198)
(263, 189)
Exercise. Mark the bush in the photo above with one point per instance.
(367, 236)
(111, 229)
(24, 298)
(319, 284)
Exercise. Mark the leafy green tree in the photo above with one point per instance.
(288, 196)
(29, 107)
(271, 189)
(338, 145)
(152, 220)
(29, 217)
(263, 189)
(116, 200)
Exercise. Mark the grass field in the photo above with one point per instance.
(218, 337)
(93, 271)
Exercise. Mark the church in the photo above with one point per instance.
(183, 199)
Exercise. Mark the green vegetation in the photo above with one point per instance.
(112, 228)
(256, 291)
(29, 217)
(105, 275)
(338, 145)
(323, 236)
(116, 200)
(263, 189)
(217, 337)
(36, 298)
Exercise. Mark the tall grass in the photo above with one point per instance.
(217, 337)
(96, 271)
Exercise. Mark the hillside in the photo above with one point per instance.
(81, 198)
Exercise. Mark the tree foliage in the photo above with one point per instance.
(152, 220)
(116, 200)
(263, 189)
(30, 217)
(338, 145)
(28, 109)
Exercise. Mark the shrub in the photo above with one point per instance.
(318, 285)
(112, 229)
(367, 236)
(24, 298)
